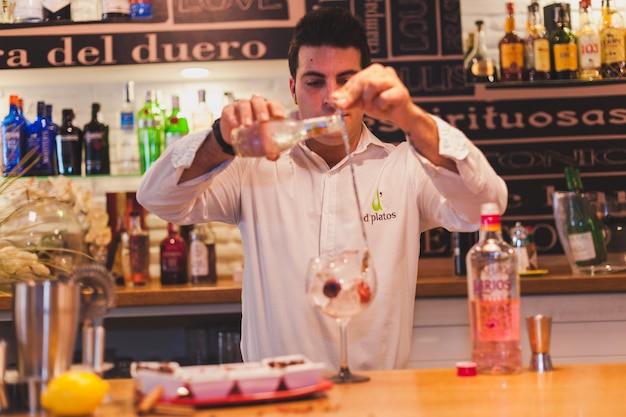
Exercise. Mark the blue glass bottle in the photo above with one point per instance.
(38, 141)
(13, 135)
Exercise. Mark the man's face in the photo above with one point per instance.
(321, 71)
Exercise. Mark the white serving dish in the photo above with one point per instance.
(257, 380)
(207, 382)
(298, 371)
(148, 375)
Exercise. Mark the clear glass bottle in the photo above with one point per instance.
(537, 46)
(284, 133)
(511, 48)
(173, 256)
(563, 48)
(138, 251)
(127, 148)
(584, 229)
(202, 256)
(176, 125)
(588, 40)
(494, 299)
(479, 66)
(13, 133)
(28, 11)
(69, 145)
(612, 43)
(96, 136)
(150, 131)
(519, 237)
(202, 117)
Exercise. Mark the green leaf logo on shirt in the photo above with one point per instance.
(376, 205)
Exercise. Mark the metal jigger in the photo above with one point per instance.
(539, 327)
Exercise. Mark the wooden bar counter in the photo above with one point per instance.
(570, 390)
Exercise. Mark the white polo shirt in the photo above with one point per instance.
(296, 208)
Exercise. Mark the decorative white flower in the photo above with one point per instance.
(18, 195)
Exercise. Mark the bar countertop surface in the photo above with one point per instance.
(436, 279)
(594, 390)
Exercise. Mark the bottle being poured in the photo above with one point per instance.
(283, 134)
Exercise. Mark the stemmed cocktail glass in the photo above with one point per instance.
(342, 286)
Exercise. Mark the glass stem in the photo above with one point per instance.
(343, 343)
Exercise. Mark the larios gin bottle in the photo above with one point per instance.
(494, 299)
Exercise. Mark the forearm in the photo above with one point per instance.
(208, 157)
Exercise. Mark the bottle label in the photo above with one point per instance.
(496, 321)
(127, 121)
(512, 56)
(613, 46)
(199, 258)
(11, 144)
(116, 6)
(565, 57)
(581, 245)
(589, 51)
(482, 69)
(541, 55)
(523, 263)
(147, 123)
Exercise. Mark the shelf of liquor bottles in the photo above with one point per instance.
(556, 83)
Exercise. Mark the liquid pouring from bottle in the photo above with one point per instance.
(346, 143)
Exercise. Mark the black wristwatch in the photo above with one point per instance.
(226, 148)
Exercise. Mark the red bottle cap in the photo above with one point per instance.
(466, 368)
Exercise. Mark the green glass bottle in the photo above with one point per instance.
(150, 131)
(176, 125)
(563, 48)
(584, 229)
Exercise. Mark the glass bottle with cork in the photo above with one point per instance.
(537, 46)
(480, 67)
(494, 299)
(511, 48)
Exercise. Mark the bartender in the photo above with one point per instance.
(300, 204)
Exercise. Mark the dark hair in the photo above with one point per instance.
(328, 26)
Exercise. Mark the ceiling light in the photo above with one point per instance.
(194, 72)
